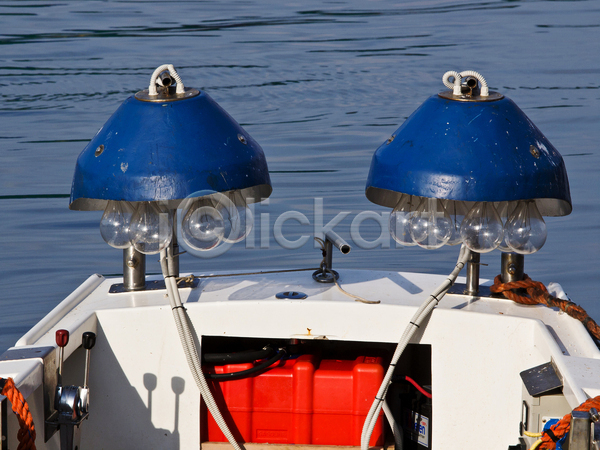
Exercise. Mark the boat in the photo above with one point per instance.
(314, 358)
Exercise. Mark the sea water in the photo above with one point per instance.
(320, 85)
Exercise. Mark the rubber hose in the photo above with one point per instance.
(246, 373)
(238, 357)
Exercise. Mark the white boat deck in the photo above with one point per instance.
(478, 348)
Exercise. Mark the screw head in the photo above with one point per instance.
(534, 151)
(99, 150)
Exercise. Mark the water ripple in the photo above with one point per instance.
(319, 85)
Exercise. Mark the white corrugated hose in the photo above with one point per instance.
(189, 347)
(418, 318)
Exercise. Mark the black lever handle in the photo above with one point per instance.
(89, 340)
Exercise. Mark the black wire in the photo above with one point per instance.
(245, 373)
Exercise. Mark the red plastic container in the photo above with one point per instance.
(304, 401)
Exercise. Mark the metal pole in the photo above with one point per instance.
(513, 267)
(337, 241)
(328, 254)
(472, 287)
(175, 249)
(134, 270)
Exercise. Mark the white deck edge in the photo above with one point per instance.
(61, 310)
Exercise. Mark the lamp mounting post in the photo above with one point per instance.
(512, 267)
(472, 287)
(134, 269)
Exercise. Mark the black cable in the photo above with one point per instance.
(245, 356)
(245, 373)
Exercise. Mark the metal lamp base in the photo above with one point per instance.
(322, 276)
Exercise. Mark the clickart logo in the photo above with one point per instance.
(209, 223)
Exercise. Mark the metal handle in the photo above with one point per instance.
(62, 339)
(89, 340)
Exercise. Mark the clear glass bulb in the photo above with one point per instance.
(505, 209)
(431, 225)
(237, 217)
(400, 221)
(481, 229)
(202, 227)
(151, 229)
(114, 225)
(457, 211)
(525, 230)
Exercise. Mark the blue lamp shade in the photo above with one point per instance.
(167, 151)
(472, 151)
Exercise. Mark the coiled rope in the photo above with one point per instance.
(26, 433)
(529, 292)
(557, 431)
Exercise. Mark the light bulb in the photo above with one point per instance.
(505, 209)
(400, 221)
(481, 229)
(114, 225)
(237, 217)
(151, 229)
(525, 230)
(202, 227)
(457, 211)
(431, 225)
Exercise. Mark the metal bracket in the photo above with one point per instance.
(542, 380)
(581, 431)
(156, 285)
(463, 289)
(68, 422)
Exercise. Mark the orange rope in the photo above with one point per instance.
(560, 428)
(529, 292)
(26, 434)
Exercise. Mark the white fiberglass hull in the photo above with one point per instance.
(142, 394)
